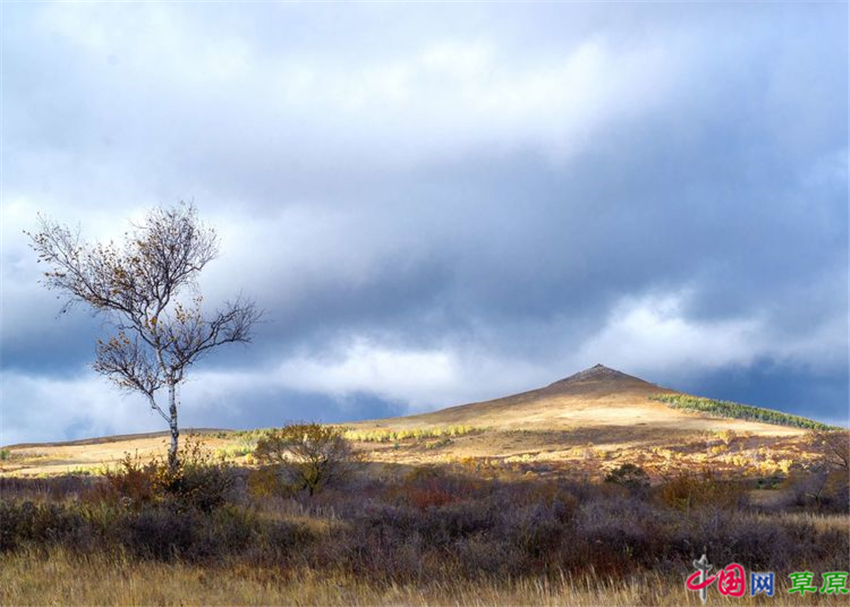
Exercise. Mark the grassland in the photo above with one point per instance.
(584, 425)
(433, 535)
(512, 501)
(581, 452)
(578, 453)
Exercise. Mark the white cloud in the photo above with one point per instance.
(364, 366)
(652, 336)
(45, 408)
(417, 379)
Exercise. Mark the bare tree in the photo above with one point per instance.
(142, 287)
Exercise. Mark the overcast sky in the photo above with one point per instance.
(440, 203)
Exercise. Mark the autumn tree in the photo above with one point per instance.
(311, 455)
(147, 289)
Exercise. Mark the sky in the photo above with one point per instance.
(438, 203)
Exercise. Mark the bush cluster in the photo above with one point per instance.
(199, 482)
(434, 525)
(426, 526)
(160, 532)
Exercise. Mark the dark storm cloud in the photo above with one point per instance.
(470, 198)
(274, 408)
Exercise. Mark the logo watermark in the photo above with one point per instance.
(732, 581)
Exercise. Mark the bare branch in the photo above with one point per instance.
(127, 363)
(190, 336)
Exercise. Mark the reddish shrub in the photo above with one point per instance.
(431, 495)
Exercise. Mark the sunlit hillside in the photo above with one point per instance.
(586, 424)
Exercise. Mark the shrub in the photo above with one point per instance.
(308, 456)
(38, 523)
(745, 539)
(431, 487)
(429, 495)
(440, 527)
(198, 482)
(481, 555)
(204, 487)
(266, 482)
(688, 491)
(827, 488)
(537, 530)
(132, 483)
(833, 448)
(633, 478)
(160, 533)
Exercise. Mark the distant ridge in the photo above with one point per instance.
(597, 397)
(116, 438)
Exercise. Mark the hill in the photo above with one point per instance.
(598, 396)
(591, 422)
(586, 423)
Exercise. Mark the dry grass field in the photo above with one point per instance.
(530, 499)
(69, 580)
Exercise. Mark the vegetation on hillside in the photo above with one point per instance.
(386, 435)
(725, 408)
(245, 441)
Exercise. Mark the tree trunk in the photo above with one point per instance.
(175, 432)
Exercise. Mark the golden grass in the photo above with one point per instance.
(580, 450)
(27, 578)
(385, 435)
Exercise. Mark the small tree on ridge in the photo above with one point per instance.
(141, 287)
